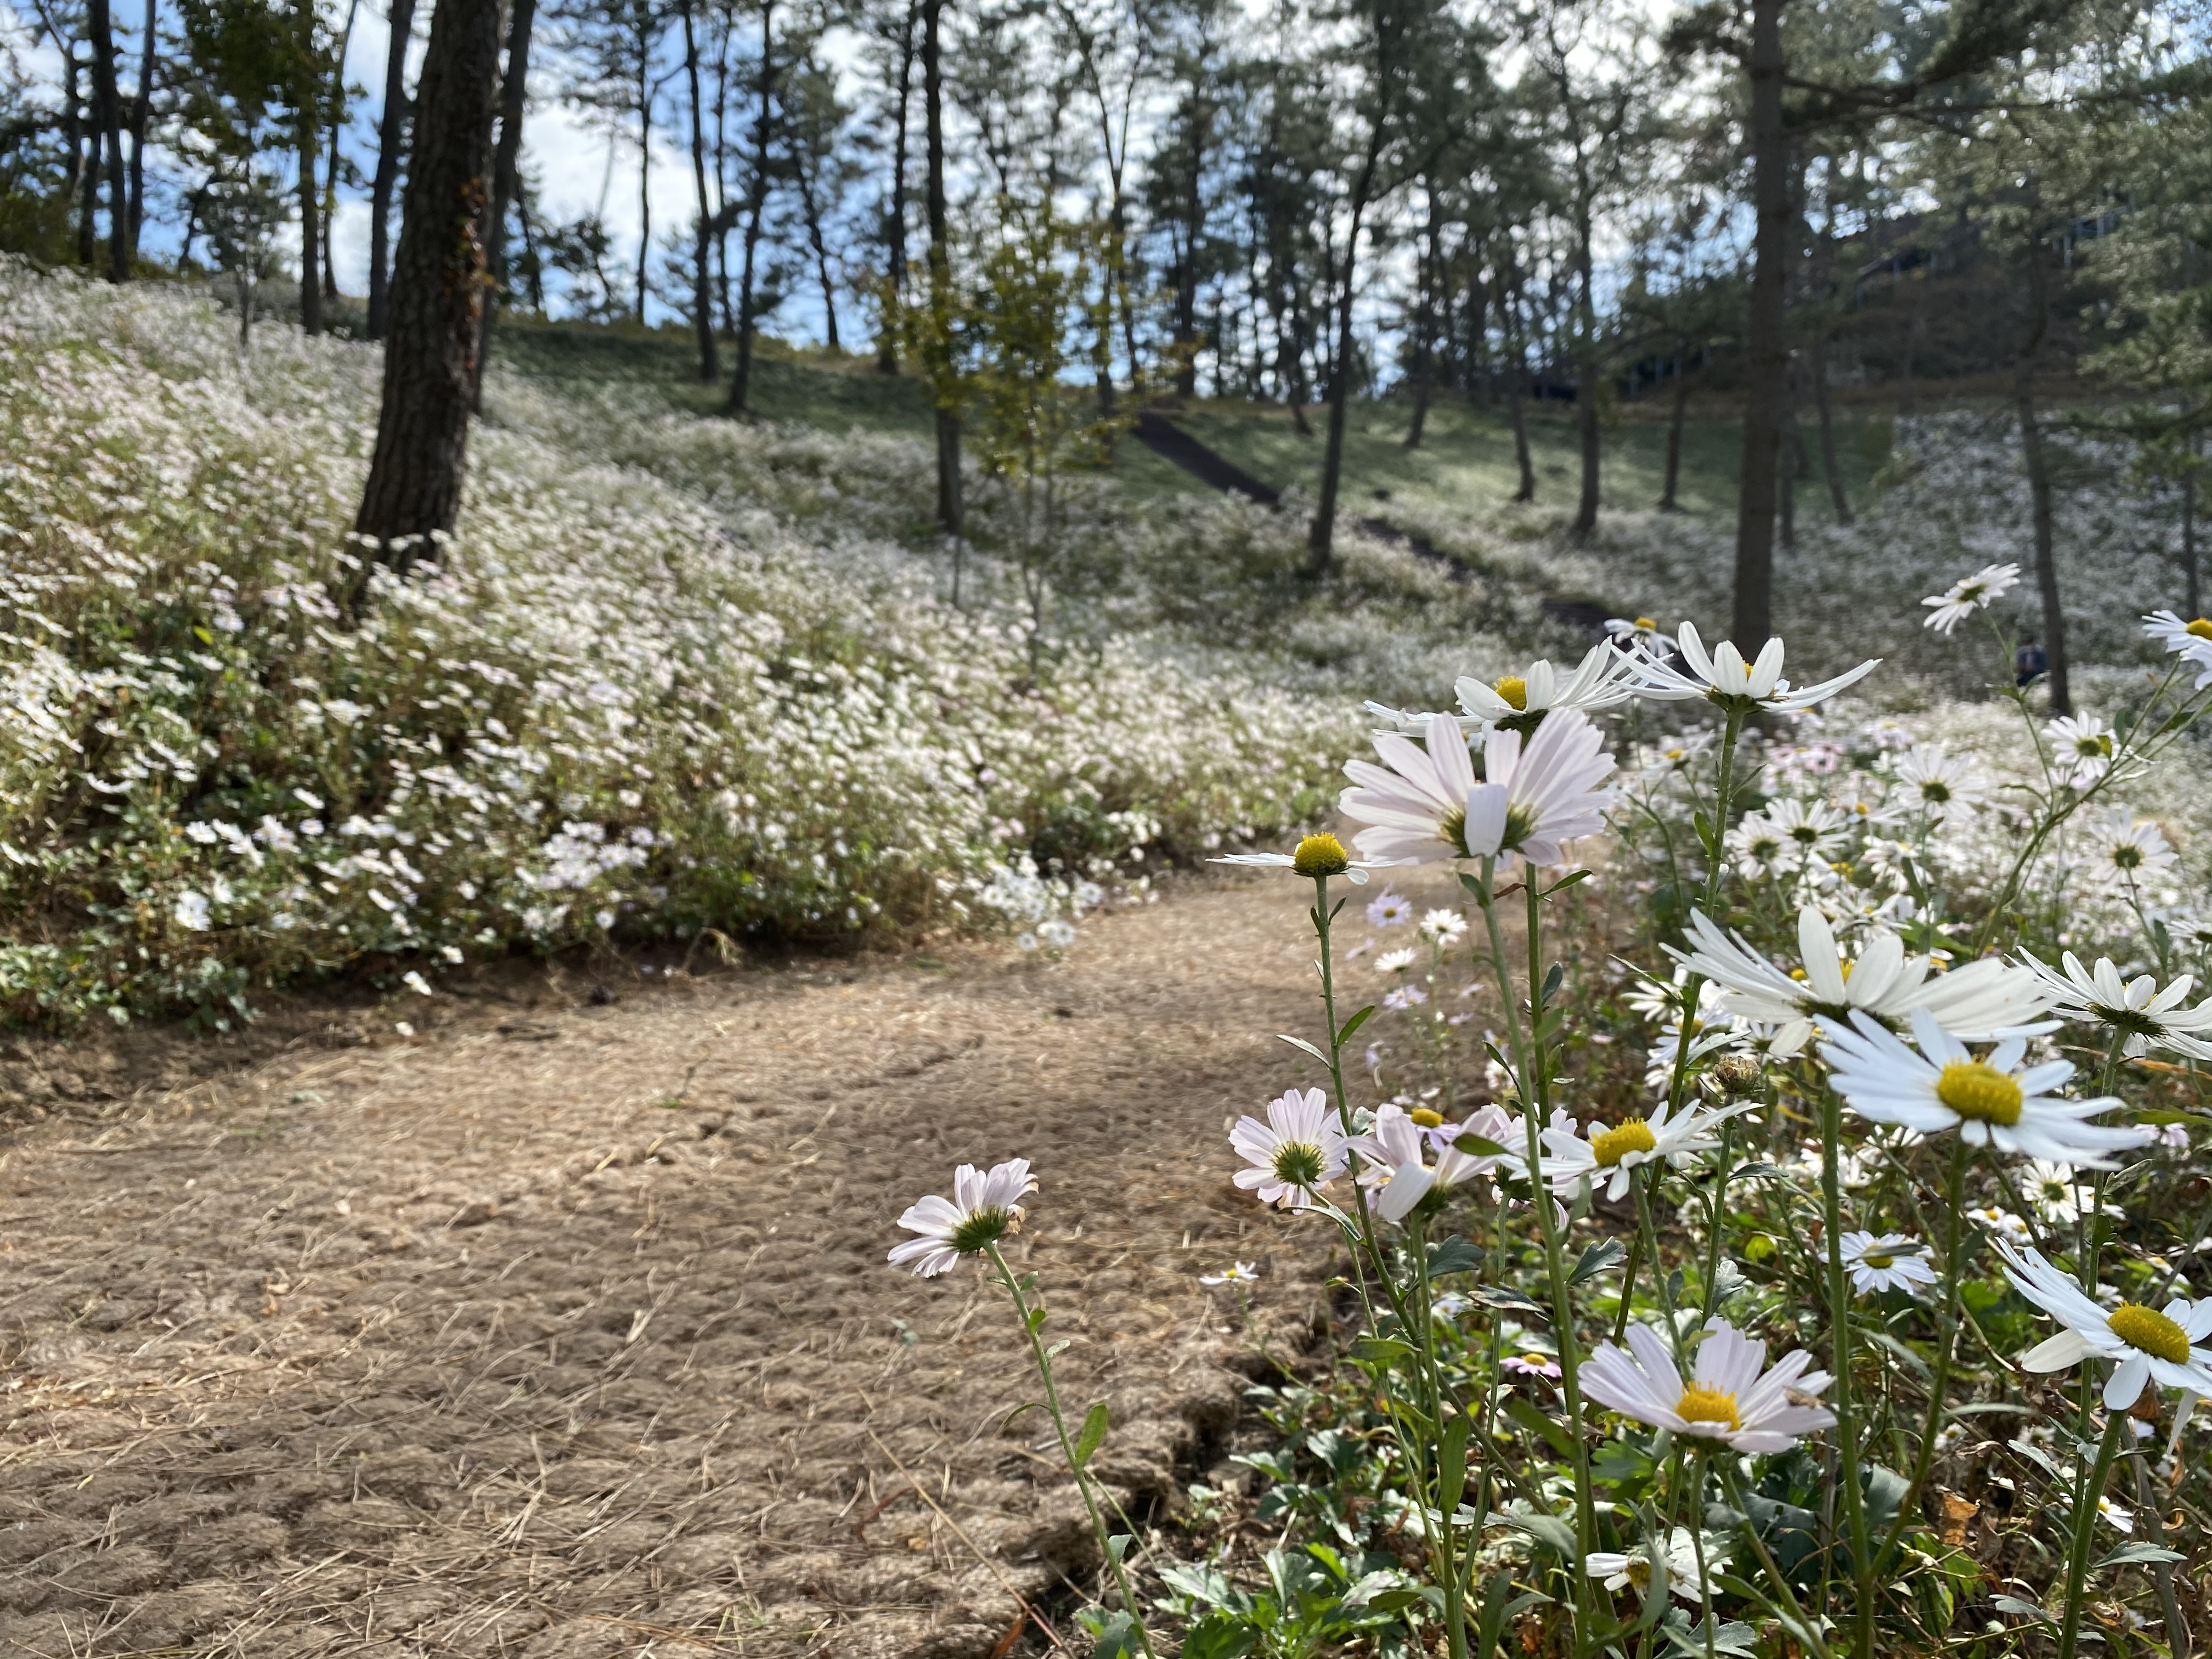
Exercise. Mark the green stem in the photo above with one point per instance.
(1839, 1399)
(1810, 1632)
(1719, 1204)
(2085, 1526)
(1947, 1332)
(1031, 1325)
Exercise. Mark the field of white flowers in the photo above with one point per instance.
(677, 674)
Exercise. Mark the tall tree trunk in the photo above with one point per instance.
(392, 141)
(107, 120)
(1321, 536)
(1677, 416)
(142, 116)
(1907, 401)
(1767, 348)
(1428, 275)
(702, 290)
(505, 179)
(532, 265)
(644, 176)
(1586, 376)
(311, 189)
(950, 516)
(2192, 595)
(895, 215)
(331, 166)
(413, 489)
(2038, 466)
(1193, 232)
(741, 385)
(1794, 469)
(1509, 308)
(805, 172)
(1818, 369)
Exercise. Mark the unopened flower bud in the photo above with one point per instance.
(1738, 1075)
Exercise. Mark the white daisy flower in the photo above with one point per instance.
(1389, 910)
(1680, 1556)
(1536, 796)
(2128, 853)
(1397, 961)
(1415, 803)
(2123, 1519)
(1608, 1155)
(1605, 678)
(983, 1209)
(1938, 780)
(1993, 1101)
(1891, 1262)
(1299, 1149)
(1968, 595)
(1317, 855)
(2003, 1222)
(2056, 1192)
(2151, 1018)
(1394, 1150)
(1642, 631)
(1442, 927)
(1981, 999)
(2190, 640)
(1811, 829)
(2145, 1345)
(1237, 1273)
(2082, 749)
(1726, 1399)
(1760, 847)
(1725, 678)
(1414, 722)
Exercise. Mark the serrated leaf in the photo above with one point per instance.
(1596, 1260)
(1092, 1435)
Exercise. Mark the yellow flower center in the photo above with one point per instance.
(1703, 1405)
(2152, 1332)
(1321, 855)
(2200, 629)
(1646, 621)
(1612, 1146)
(1799, 974)
(1514, 690)
(1975, 1089)
(2095, 746)
(1426, 1118)
(1878, 1262)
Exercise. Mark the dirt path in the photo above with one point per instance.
(479, 1346)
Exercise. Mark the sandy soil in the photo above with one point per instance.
(571, 1334)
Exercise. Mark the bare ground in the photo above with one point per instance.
(488, 1343)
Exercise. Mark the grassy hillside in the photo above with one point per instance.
(1465, 465)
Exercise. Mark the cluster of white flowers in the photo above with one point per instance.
(622, 698)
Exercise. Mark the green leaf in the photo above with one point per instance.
(2019, 1610)
(1453, 1256)
(1451, 1464)
(1553, 1533)
(1554, 980)
(1884, 1491)
(1302, 1044)
(1093, 1434)
(1524, 1411)
(1037, 1319)
(1512, 1302)
(1117, 1544)
(2130, 1553)
(1596, 1258)
(1117, 1637)
(1381, 1350)
(1479, 1146)
(1353, 1024)
(1390, 1600)
(1220, 1636)
(1561, 886)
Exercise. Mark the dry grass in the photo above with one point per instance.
(479, 1344)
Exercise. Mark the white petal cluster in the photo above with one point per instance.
(1723, 677)
(2145, 1015)
(1728, 1397)
(1968, 595)
(2146, 1345)
(2190, 641)
(985, 1206)
(1294, 1152)
(1605, 678)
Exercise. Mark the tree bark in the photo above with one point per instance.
(1509, 306)
(2192, 595)
(414, 489)
(142, 116)
(1586, 376)
(392, 139)
(2038, 466)
(803, 170)
(1766, 351)
(1429, 274)
(330, 163)
(1666, 501)
(506, 177)
(895, 215)
(106, 120)
(741, 384)
(644, 174)
(702, 291)
(1321, 536)
(311, 183)
(950, 515)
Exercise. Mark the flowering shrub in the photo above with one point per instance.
(620, 703)
(1834, 1281)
